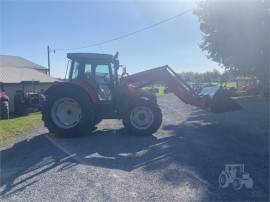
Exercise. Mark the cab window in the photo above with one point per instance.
(88, 71)
(103, 82)
(75, 70)
(102, 73)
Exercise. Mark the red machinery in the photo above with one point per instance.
(94, 92)
(4, 103)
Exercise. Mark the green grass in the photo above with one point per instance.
(160, 88)
(231, 84)
(256, 98)
(16, 126)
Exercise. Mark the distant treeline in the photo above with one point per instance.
(206, 77)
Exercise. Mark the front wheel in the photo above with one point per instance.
(142, 117)
(237, 184)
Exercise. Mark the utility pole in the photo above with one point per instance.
(49, 62)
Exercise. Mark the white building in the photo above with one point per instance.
(17, 73)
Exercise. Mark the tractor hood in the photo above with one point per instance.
(133, 91)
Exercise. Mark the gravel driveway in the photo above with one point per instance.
(181, 162)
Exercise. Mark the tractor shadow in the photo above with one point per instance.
(193, 152)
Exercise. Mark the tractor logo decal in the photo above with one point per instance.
(235, 175)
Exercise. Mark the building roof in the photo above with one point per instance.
(17, 75)
(16, 61)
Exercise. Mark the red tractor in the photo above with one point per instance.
(94, 92)
(4, 103)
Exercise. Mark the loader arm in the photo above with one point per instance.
(169, 78)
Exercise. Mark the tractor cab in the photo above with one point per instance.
(98, 70)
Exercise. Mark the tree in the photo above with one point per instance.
(236, 35)
(206, 77)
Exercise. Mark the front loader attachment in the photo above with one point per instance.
(218, 100)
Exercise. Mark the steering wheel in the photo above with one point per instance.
(105, 77)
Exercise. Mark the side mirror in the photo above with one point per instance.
(124, 71)
(116, 64)
(115, 57)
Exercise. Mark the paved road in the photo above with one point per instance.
(181, 162)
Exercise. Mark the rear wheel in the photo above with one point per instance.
(68, 112)
(142, 117)
(223, 180)
(4, 110)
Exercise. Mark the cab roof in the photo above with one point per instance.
(90, 57)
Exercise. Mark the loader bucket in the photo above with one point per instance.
(219, 100)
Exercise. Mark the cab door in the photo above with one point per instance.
(105, 88)
(104, 82)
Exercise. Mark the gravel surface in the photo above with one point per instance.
(181, 162)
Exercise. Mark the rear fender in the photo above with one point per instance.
(80, 85)
(3, 96)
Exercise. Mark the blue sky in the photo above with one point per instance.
(27, 27)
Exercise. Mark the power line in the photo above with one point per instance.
(128, 34)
